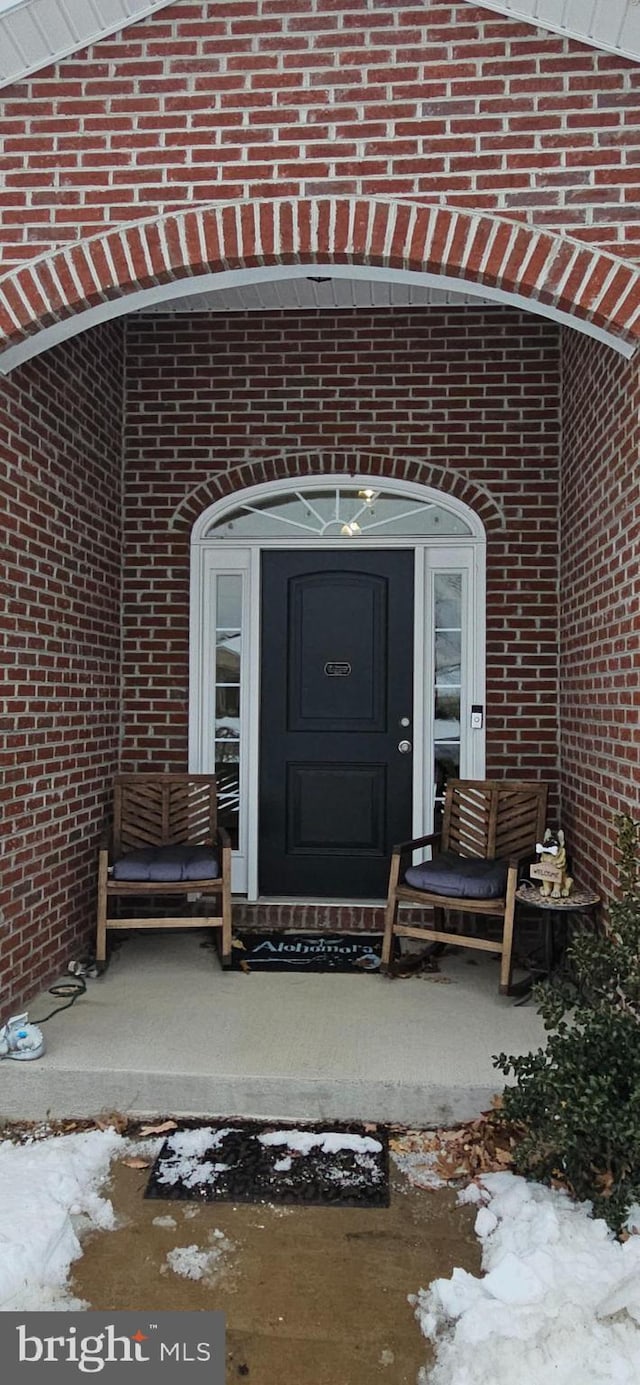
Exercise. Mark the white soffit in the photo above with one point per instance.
(197, 292)
(314, 291)
(36, 33)
(612, 25)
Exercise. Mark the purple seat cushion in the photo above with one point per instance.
(168, 864)
(459, 877)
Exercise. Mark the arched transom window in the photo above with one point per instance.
(336, 511)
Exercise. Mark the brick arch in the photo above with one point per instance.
(590, 286)
(297, 464)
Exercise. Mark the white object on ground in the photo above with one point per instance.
(420, 1167)
(192, 1143)
(191, 1262)
(20, 1039)
(559, 1300)
(329, 1142)
(44, 1186)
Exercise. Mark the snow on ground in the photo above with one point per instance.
(559, 1300)
(420, 1167)
(184, 1154)
(192, 1262)
(48, 1192)
(328, 1142)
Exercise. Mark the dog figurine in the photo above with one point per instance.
(552, 852)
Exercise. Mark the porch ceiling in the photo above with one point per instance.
(313, 291)
(36, 33)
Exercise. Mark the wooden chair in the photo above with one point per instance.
(489, 828)
(165, 841)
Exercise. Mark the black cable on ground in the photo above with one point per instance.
(73, 989)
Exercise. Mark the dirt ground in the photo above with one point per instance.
(312, 1295)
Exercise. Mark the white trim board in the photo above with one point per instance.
(464, 554)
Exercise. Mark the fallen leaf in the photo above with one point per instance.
(237, 942)
(136, 1163)
(159, 1129)
(244, 966)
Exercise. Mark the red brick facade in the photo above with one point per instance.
(239, 99)
(599, 600)
(448, 397)
(475, 146)
(60, 502)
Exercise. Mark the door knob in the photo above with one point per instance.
(404, 747)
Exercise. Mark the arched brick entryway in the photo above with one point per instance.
(283, 465)
(545, 270)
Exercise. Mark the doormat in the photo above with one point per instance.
(279, 951)
(332, 1165)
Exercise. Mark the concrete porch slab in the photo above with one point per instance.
(165, 1031)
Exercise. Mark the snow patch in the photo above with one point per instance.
(420, 1167)
(633, 1217)
(191, 1144)
(331, 1142)
(191, 1262)
(190, 1173)
(46, 1186)
(560, 1296)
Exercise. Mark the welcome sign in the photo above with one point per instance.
(278, 951)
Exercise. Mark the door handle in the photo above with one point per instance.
(404, 747)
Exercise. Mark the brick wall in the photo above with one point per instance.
(599, 601)
(60, 458)
(436, 102)
(471, 393)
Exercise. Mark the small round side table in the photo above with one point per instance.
(580, 901)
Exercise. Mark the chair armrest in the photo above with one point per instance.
(402, 848)
(518, 864)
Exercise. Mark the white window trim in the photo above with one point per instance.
(212, 555)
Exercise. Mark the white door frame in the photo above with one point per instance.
(211, 556)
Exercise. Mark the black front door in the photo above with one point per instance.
(336, 701)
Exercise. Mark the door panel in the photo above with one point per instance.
(332, 615)
(336, 679)
(356, 817)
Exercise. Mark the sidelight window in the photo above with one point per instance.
(228, 671)
(447, 682)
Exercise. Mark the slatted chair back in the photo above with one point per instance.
(490, 819)
(483, 819)
(163, 809)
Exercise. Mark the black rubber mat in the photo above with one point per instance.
(335, 1165)
(351, 952)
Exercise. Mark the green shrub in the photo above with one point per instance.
(576, 1102)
